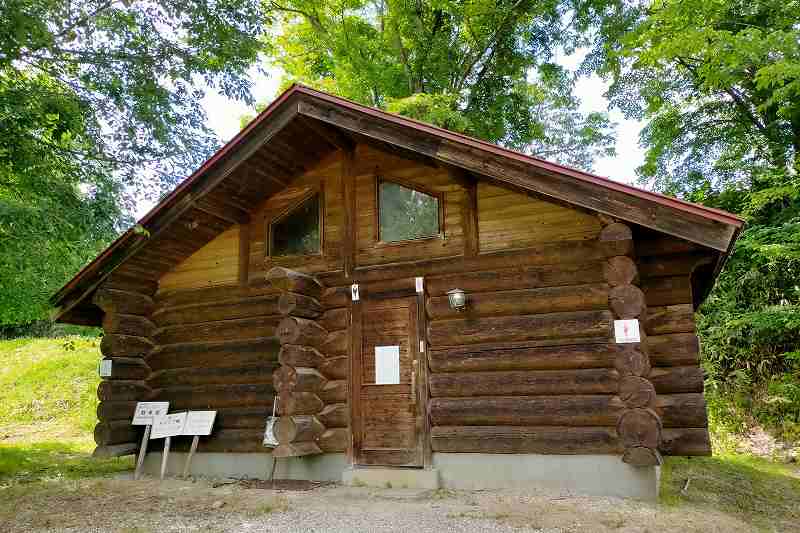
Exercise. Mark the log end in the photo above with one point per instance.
(297, 449)
(116, 450)
(642, 456)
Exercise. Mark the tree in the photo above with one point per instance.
(718, 84)
(482, 67)
(99, 106)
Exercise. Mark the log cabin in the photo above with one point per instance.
(428, 309)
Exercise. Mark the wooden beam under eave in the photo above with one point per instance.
(583, 193)
(332, 135)
(184, 202)
(222, 210)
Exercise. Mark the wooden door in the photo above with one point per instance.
(387, 413)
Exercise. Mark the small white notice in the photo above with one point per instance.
(199, 422)
(168, 425)
(387, 365)
(626, 331)
(105, 368)
(147, 411)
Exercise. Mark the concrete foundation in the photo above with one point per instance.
(398, 478)
(593, 475)
(327, 467)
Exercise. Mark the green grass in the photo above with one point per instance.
(49, 381)
(24, 463)
(48, 399)
(760, 491)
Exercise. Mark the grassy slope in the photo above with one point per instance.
(47, 409)
(47, 413)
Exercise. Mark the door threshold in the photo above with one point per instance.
(398, 477)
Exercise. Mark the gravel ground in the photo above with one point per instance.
(147, 505)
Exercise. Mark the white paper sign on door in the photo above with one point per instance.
(199, 422)
(626, 331)
(168, 426)
(387, 365)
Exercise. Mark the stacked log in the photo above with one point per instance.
(638, 426)
(666, 266)
(311, 381)
(127, 340)
(528, 366)
(216, 349)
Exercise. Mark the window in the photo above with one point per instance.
(405, 213)
(297, 232)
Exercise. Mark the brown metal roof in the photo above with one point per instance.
(96, 266)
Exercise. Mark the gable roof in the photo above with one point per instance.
(217, 194)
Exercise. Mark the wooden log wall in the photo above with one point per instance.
(216, 348)
(665, 267)
(531, 366)
(311, 381)
(127, 340)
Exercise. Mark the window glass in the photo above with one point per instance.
(297, 233)
(406, 213)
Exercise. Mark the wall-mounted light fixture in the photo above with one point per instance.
(457, 299)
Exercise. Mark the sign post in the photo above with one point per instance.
(144, 415)
(197, 423)
(165, 427)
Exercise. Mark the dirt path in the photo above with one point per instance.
(145, 506)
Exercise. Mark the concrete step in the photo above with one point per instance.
(392, 478)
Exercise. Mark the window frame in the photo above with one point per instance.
(308, 195)
(416, 187)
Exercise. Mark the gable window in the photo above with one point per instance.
(298, 231)
(406, 213)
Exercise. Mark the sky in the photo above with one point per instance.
(223, 116)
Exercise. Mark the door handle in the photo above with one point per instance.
(414, 382)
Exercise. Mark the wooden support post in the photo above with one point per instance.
(142, 452)
(189, 457)
(165, 456)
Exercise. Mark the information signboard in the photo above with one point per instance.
(147, 411)
(168, 425)
(199, 422)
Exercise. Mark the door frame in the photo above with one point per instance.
(407, 287)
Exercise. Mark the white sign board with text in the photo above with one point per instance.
(168, 426)
(626, 331)
(387, 365)
(199, 422)
(147, 411)
(105, 368)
